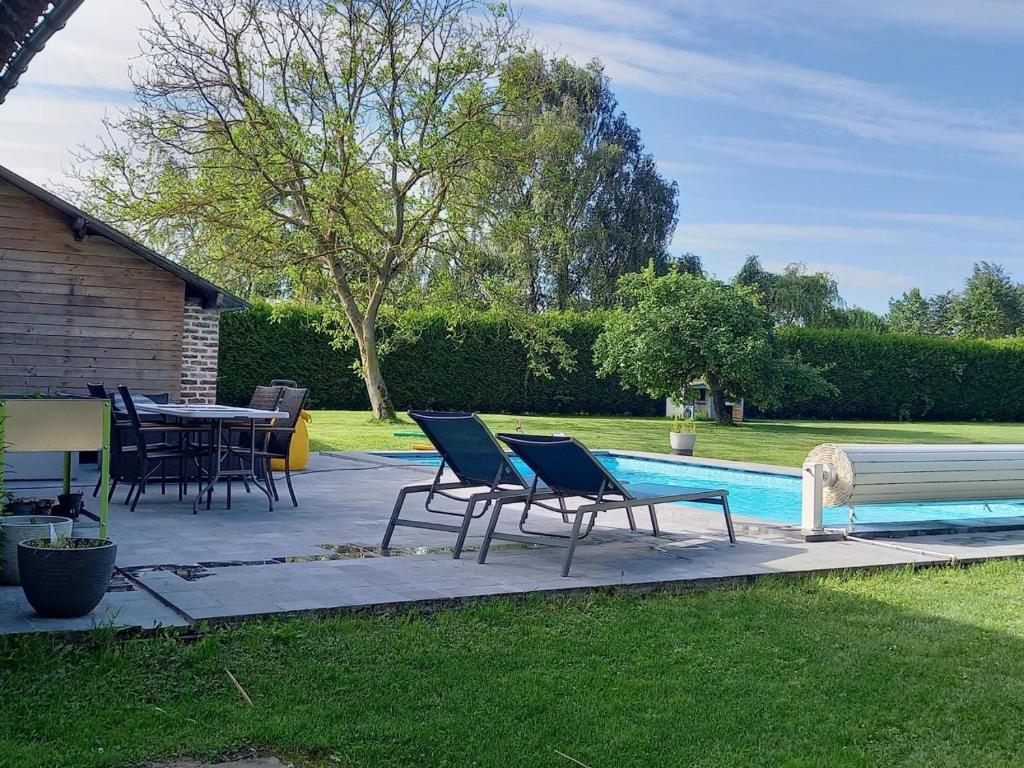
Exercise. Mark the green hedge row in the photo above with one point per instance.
(895, 376)
(479, 367)
(483, 368)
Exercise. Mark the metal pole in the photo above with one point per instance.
(2, 444)
(67, 472)
(105, 471)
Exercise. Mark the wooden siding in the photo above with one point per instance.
(75, 312)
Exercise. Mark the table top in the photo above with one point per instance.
(208, 411)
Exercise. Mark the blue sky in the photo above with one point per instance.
(881, 141)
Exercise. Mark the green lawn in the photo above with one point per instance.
(902, 669)
(771, 442)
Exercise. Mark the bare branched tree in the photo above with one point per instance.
(318, 140)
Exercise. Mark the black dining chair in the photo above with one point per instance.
(151, 456)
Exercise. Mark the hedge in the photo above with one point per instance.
(476, 366)
(896, 376)
(483, 368)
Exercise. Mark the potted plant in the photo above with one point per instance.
(18, 528)
(682, 436)
(64, 577)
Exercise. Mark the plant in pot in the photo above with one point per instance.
(682, 436)
(63, 577)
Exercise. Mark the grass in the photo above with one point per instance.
(906, 668)
(769, 442)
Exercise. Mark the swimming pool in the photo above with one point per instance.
(766, 495)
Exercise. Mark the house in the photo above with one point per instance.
(81, 302)
(702, 405)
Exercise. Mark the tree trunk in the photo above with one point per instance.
(722, 414)
(376, 389)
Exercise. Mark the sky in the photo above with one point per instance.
(880, 141)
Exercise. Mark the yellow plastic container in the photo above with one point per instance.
(298, 454)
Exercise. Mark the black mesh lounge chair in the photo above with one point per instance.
(470, 452)
(570, 471)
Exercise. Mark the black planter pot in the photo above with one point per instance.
(65, 583)
(69, 505)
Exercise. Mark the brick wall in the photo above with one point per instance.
(200, 332)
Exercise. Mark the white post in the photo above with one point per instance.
(813, 482)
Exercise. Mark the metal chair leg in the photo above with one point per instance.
(573, 538)
(288, 479)
(463, 530)
(491, 525)
(654, 520)
(632, 520)
(728, 519)
(271, 481)
(395, 514)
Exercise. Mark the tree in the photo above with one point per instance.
(582, 204)
(860, 319)
(316, 141)
(910, 314)
(689, 263)
(674, 329)
(793, 296)
(990, 305)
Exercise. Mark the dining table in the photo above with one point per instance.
(216, 416)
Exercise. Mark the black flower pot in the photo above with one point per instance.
(69, 505)
(65, 583)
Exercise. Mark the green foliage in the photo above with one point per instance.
(678, 328)
(990, 306)
(898, 376)
(475, 361)
(578, 203)
(793, 296)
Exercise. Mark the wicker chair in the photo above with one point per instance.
(277, 438)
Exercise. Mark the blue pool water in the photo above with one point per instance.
(767, 495)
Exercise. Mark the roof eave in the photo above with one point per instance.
(51, 23)
(211, 296)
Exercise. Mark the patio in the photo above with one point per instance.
(176, 569)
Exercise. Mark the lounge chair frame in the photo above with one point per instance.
(598, 502)
(487, 491)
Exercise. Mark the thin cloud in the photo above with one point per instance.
(848, 105)
(798, 156)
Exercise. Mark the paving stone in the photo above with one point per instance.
(163, 531)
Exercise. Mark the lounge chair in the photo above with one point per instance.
(470, 452)
(570, 471)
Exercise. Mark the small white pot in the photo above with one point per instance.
(682, 443)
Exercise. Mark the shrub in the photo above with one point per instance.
(898, 376)
(477, 365)
(482, 367)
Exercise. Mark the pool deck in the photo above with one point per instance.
(178, 571)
